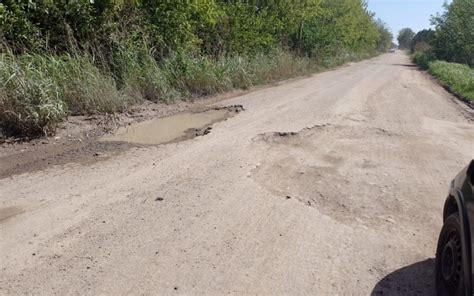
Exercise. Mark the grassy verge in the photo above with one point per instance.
(37, 92)
(456, 77)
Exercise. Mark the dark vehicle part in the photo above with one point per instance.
(453, 264)
(448, 264)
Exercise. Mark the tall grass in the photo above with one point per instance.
(198, 76)
(38, 91)
(84, 89)
(30, 100)
(458, 78)
(139, 74)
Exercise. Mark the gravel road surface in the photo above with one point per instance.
(330, 184)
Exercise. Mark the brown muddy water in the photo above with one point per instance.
(169, 129)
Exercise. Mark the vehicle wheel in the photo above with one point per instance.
(448, 264)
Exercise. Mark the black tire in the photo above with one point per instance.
(448, 264)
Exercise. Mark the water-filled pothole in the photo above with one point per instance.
(172, 128)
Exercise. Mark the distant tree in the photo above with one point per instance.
(384, 41)
(405, 37)
(423, 40)
(454, 36)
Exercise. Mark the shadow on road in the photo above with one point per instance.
(406, 65)
(415, 279)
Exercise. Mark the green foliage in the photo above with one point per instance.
(384, 42)
(405, 37)
(83, 88)
(246, 28)
(454, 35)
(205, 27)
(84, 57)
(54, 25)
(452, 41)
(16, 26)
(423, 40)
(30, 101)
(174, 24)
(339, 26)
(457, 77)
(139, 74)
(198, 76)
(38, 91)
(423, 58)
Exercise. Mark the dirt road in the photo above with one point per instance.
(331, 184)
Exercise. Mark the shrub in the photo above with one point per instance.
(423, 58)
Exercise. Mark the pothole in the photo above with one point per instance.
(321, 167)
(277, 137)
(173, 128)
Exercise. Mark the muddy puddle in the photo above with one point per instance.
(173, 128)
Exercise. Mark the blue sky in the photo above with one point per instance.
(398, 14)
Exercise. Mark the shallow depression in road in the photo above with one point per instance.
(9, 212)
(173, 128)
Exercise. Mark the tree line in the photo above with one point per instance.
(452, 38)
(216, 28)
(447, 51)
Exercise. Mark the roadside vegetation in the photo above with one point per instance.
(60, 58)
(447, 52)
(405, 37)
(458, 78)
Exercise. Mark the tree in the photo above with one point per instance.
(423, 40)
(384, 41)
(405, 37)
(314, 28)
(454, 36)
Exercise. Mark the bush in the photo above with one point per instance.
(457, 77)
(423, 59)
